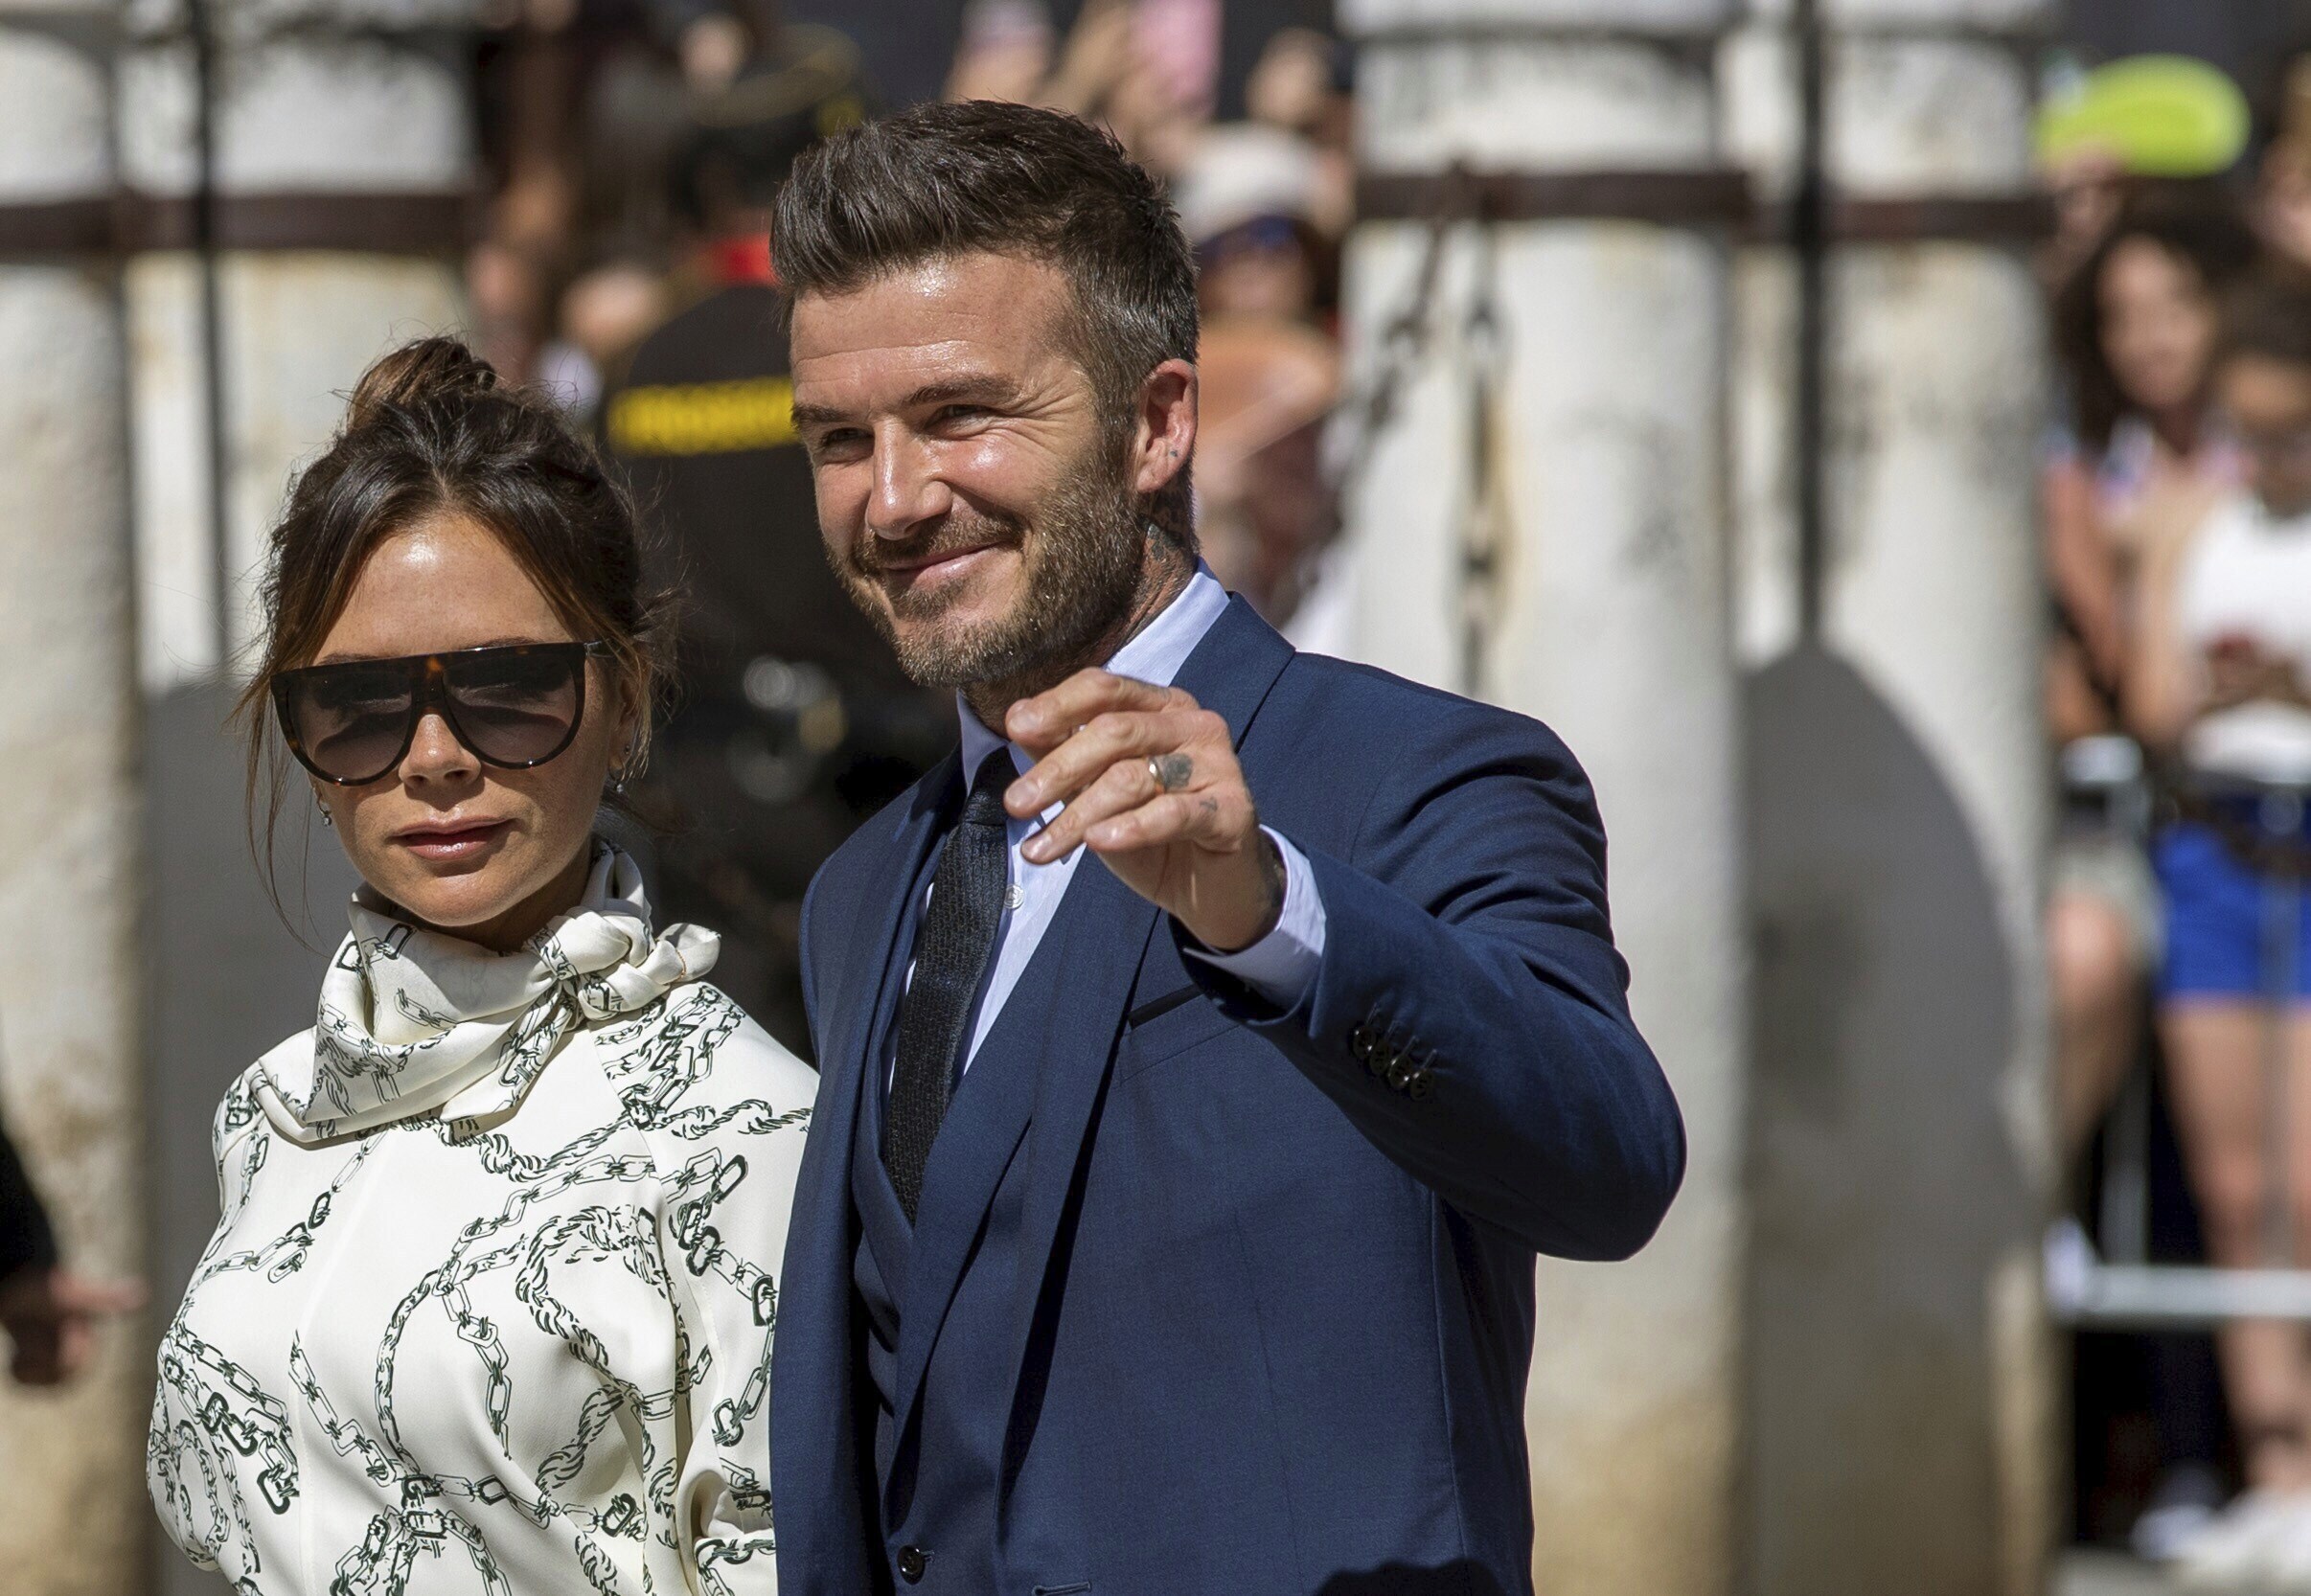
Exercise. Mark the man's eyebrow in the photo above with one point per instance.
(984, 386)
(816, 415)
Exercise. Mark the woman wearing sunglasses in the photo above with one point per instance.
(492, 1298)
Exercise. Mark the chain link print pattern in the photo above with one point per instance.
(653, 1163)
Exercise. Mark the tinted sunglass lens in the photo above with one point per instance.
(516, 706)
(351, 723)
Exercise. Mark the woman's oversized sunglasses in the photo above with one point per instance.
(513, 707)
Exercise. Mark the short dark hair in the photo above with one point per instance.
(2271, 317)
(987, 176)
(432, 430)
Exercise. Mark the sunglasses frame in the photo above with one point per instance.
(432, 671)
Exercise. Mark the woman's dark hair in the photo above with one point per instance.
(430, 431)
(2201, 228)
(987, 176)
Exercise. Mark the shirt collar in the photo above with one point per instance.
(1155, 654)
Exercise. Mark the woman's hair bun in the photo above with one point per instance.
(430, 369)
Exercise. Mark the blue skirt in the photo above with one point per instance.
(2216, 910)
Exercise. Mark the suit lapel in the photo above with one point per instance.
(1230, 674)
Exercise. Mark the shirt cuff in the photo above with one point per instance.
(1282, 966)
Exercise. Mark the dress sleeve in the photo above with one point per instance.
(727, 1147)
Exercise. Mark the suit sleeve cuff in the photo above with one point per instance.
(1282, 966)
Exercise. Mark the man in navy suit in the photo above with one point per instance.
(1209, 1047)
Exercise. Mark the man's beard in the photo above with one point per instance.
(1083, 567)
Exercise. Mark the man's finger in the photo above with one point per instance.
(1105, 741)
(1049, 719)
(1119, 789)
(1175, 817)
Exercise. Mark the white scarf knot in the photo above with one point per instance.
(415, 1022)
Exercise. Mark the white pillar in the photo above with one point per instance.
(333, 120)
(312, 100)
(1902, 1390)
(70, 1465)
(1610, 623)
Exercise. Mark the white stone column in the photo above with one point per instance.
(1608, 622)
(312, 100)
(1901, 1385)
(71, 1464)
(327, 116)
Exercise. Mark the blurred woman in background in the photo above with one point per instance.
(2142, 461)
(2221, 682)
(493, 1281)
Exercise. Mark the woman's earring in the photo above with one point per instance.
(326, 818)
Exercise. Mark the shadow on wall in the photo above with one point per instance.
(227, 979)
(1886, 1186)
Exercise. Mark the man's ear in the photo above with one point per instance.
(1166, 434)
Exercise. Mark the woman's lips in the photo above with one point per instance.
(448, 847)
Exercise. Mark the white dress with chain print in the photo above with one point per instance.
(490, 1310)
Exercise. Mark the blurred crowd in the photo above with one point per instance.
(2177, 520)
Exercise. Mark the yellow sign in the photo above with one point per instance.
(704, 418)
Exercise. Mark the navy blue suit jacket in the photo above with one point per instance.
(1275, 1309)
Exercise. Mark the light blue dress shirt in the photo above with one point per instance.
(1281, 967)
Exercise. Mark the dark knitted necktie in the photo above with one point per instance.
(951, 955)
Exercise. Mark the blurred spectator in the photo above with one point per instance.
(1266, 277)
(1248, 199)
(505, 300)
(1147, 70)
(605, 314)
(2283, 191)
(2218, 679)
(1098, 53)
(1264, 510)
(1295, 85)
(1006, 52)
(1163, 100)
(2143, 461)
(49, 1314)
(1300, 84)
(792, 722)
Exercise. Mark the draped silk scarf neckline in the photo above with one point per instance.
(414, 1022)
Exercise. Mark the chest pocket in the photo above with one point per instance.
(1168, 1026)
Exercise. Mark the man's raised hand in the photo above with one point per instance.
(1151, 785)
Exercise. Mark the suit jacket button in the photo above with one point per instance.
(1400, 1071)
(1378, 1062)
(912, 1561)
(1419, 1087)
(1359, 1042)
